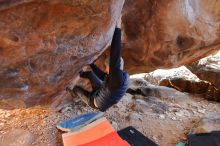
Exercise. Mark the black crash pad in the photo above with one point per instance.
(135, 138)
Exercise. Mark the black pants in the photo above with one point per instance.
(115, 77)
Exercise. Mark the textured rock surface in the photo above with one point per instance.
(202, 87)
(171, 112)
(210, 122)
(158, 75)
(183, 80)
(17, 137)
(43, 44)
(208, 69)
(169, 33)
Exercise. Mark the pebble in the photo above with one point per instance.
(194, 112)
(64, 110)
(7, 115)
(162, 116)
(179, 114)
(155, 139)
(174, 118)
(202, 111)
(135, 116)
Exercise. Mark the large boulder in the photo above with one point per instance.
(157, 76)
(168, 33)
(208, 69)
(182, 79)
(43, 44)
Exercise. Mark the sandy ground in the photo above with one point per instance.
(166, 119)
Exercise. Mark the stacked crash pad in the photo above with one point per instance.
(90, 129)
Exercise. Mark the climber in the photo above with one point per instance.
(108, 89)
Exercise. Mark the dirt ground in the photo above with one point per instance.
(166, 119)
